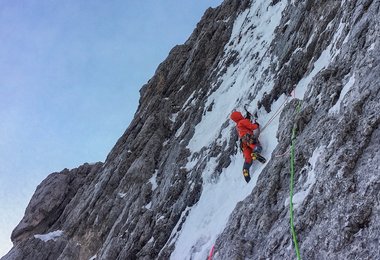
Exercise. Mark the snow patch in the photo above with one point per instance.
(160, 218)
(337, 35)
(332, 141)
(153, 180)
(310, 40)
(322, 62)
(299, 197)
(173, 117)
(179, 131)
(189, 100)
(336, 108)
(174, 235)
(191, 164)
(50, 236)
(372, 47)
(181, 88)
(122, 195)
(148, 206)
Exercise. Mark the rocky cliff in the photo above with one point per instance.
(172, 187)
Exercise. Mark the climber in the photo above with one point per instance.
(248, 133)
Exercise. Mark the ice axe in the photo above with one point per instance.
(256, 132)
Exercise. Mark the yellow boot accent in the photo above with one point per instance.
(253, 155)
(245, 173)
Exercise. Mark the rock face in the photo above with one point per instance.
(339, 218)
(180, 149)
(54, 196)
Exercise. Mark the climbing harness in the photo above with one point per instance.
(249, 139)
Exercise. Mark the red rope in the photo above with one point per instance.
(211, 253)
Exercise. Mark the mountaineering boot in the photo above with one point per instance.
(258, 157)
(246, 175)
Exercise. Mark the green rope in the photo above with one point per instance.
(294, 235)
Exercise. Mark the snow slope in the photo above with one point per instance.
(209, 216)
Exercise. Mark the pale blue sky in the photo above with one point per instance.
(70, 75)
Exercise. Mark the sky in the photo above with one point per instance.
(70, 78)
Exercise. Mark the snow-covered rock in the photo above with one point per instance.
(50, 236)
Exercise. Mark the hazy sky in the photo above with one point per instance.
(70, 75)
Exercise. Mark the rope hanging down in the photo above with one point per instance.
(294, 235)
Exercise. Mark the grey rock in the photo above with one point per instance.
(48, 203)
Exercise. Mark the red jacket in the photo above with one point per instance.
(243, 125)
